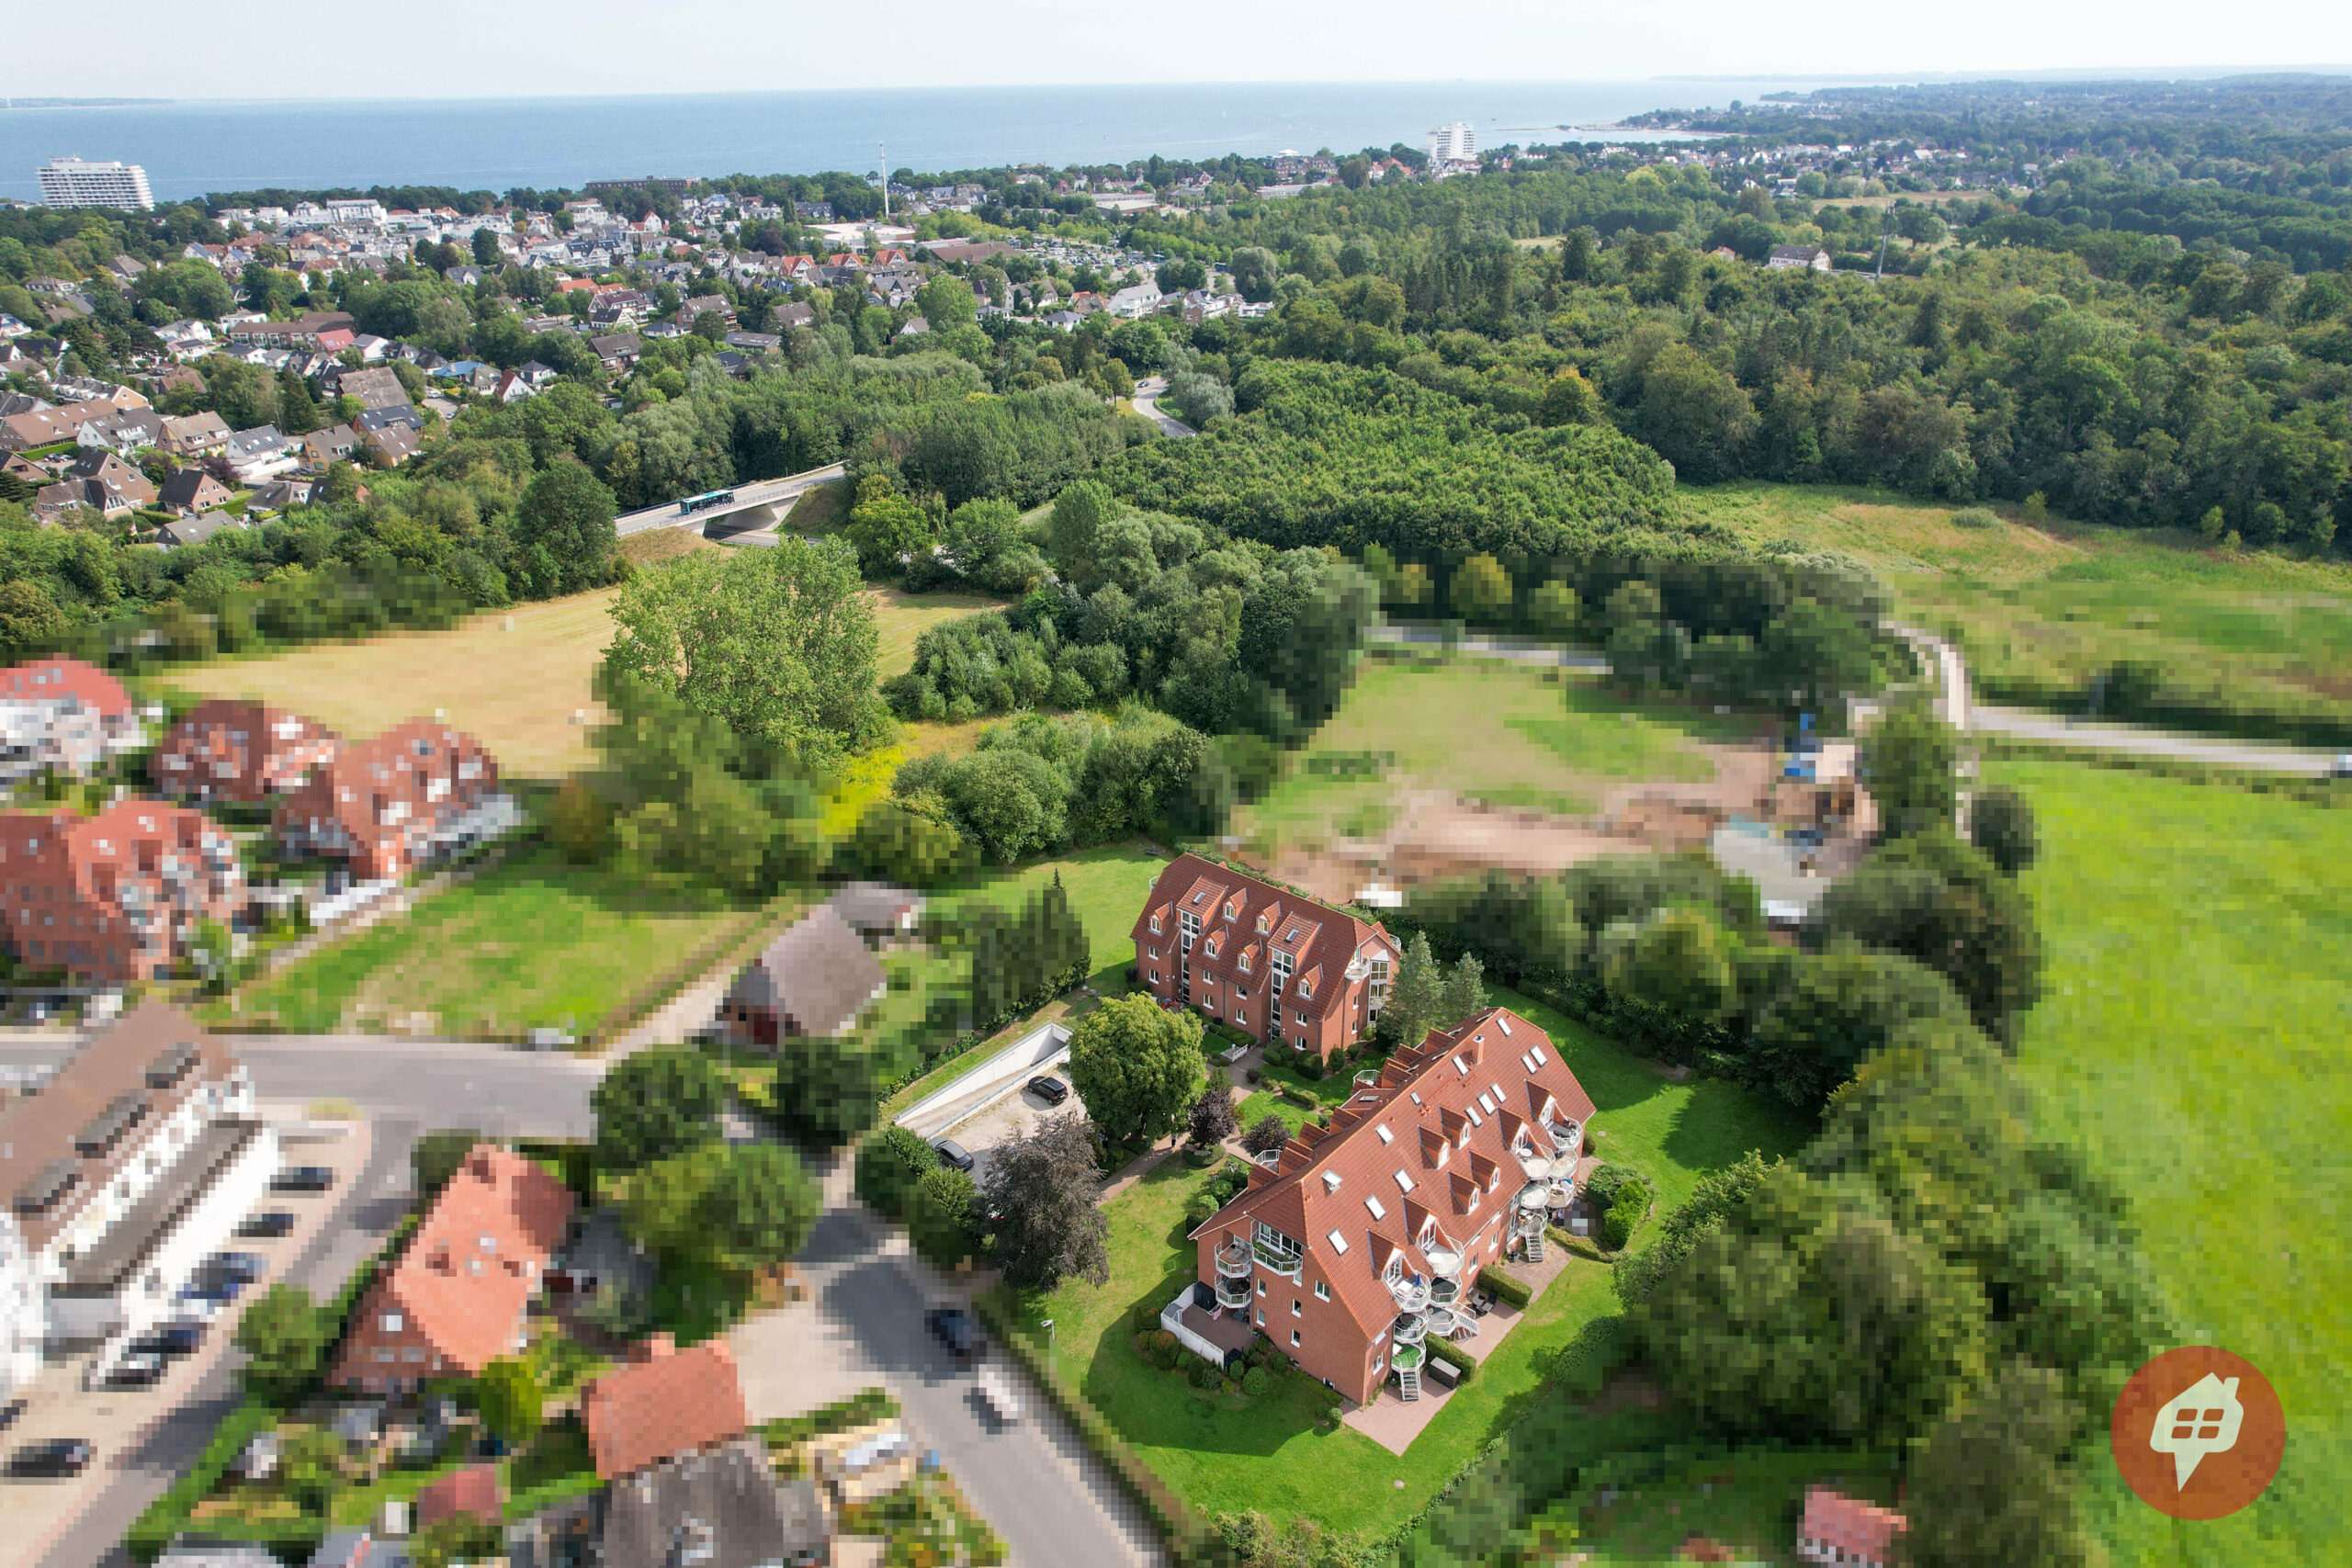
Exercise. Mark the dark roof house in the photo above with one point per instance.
(713, 1508)
(814, 979)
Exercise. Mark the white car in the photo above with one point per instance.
(997, 1389)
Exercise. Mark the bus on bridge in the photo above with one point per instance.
(705, 502)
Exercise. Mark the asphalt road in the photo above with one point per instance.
(1033, 1480)
(1146, 401)
(760, 492)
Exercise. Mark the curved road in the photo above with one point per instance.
(1146, 401)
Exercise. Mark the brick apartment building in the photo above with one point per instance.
(115, 896)
(229, 749)
(63, 712)
(1261, 958)
(418, 790)
(455, 1300)
(1370, 1228)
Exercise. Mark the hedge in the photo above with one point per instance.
(1503, 1288)
(1191, 1538)
(860, 1409)
(1453, 1356)
(168, 1514)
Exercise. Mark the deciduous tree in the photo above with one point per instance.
(1136, 1065)
(1040, 1192)
(654, 1105)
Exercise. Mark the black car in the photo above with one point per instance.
(1050, 1090)
(138, 1369)
(58, 1456)
(263, 1227)
(171, 1339)
(9, 1411)
(246, 1268)
(955, 1328)
(302, 1178)
(954, 1154)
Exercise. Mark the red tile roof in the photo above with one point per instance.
(60, 680)
(668, 1403)
(473, 1490)
(1861, 1532)
(1490, 1081)
(1244, 921)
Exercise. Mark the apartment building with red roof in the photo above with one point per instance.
(1362, 1238)
(63, 712)
(389, 804)
(231, 749)
(115, 896)
(665, 1401)
(455, 1300)
(1261, 958)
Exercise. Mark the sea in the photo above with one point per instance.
(192, 148)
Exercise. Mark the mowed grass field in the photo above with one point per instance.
(1486, 730)
(518, 679)
(2051, 604)
(2196, 1040)
(1224, 1454)
(531, 942)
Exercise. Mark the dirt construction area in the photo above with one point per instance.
(1431, 772)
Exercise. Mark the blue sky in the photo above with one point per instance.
(271, 48)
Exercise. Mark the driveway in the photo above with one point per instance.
(1016, 1116)
(1035, 1481)
(1146, 401)
(148, 1439)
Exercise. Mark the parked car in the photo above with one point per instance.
(137, 1369)
(243, 1267)
(1050, 1090)
(302, 1178)
(183, 1337)
(265, 1227)
(58, 1456)
(9, 1411)
(954, 1154)
(955, 1328)
(202, 1287)
(997, 1389)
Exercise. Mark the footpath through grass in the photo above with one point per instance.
(2193, 1041)
(1230, 1453)
(531, 942)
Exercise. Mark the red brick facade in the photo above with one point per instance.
(115, 896)
(386, 805)
(227, 750)
(1271, 963)
(1425, 1162)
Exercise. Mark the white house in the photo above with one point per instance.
(133, 1164)
(261, 453)
(1135, 300)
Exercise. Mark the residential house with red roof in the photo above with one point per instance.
(1261, 958)
(455, 1300)
(665, 1403)
(115, 896)
(1362, 1238)
(63, 712)
(419, 790)
(231, 749)
(1840, 1530)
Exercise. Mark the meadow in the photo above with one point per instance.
(2192, 1040)
(1224, 1454)
(2259, 639)
(530, 942)
(1503, 734)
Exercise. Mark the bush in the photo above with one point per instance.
(1255, 1381)
(889, 1165)
(1165, 1351)
(1208, 1376)
(939, 1216)
(1975, 517)
(1503, 1288)
(1603, 1185)
(1624, 1215)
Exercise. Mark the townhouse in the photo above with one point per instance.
(415, 792)
(63, 712)
(115, 896)
(47, 426)
(458, 1298)
(125, 1170)
(1363, 1237)
(1262, 959)
(231, 749)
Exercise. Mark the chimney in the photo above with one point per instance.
(653, 1348)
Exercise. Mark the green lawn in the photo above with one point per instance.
(2041, 608)
(1749, 1501)
(1106, 888)
(530, 942)
(2193, 1039)
(1486, 730)
(1214, 1451)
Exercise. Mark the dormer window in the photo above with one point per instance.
(1245, 963)
(1264, 925)
(1155, 925)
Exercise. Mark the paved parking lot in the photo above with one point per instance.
(151, 1434)
(1014, 1116)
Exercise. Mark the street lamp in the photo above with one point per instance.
(1048, 1325)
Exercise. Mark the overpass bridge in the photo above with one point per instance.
(743, 509)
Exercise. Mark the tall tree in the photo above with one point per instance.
(1415, 998)
(563, 530)
(511, 1400)
(1464, 995)
(654, 1105)
(284, 1336)
(2001, 824)
(760, 1204)
(1136, 1065)
(1908, 760)
(1212, 1118)
(1041, 1194)
(1990, 1486)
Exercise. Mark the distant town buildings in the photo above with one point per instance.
(71, 182)
(1456, 143)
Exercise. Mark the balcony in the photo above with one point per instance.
(1443, 1260)
(1233, 1294)
(1412, 1294)
(1234, 1260)
(1444, 1292)
(1409, 1328)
